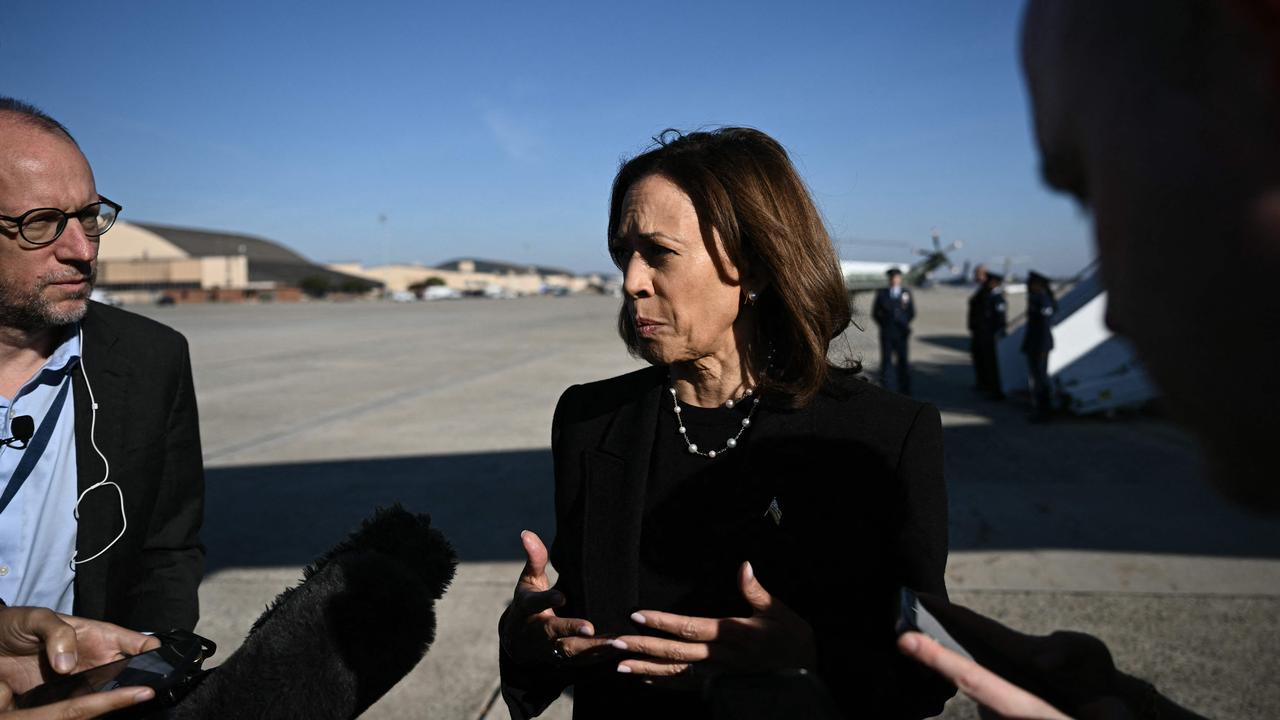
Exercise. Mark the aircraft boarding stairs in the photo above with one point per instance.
(1092, 370)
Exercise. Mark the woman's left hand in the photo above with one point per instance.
(774, 637)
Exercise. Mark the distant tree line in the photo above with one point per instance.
(317, 286)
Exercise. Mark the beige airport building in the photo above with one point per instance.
(143, 262)
(469, 275)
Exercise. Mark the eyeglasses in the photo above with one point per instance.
(44, 225)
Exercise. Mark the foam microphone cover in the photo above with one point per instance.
(361, 619)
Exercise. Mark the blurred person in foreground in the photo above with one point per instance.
(1037, 341)
(38, 645)
(100, 511)
(1162, 117)
(893, 311)
(743, 505)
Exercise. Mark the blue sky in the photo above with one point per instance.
(494, 129)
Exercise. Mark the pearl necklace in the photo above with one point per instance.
(729, 444)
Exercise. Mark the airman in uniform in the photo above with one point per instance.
(1042, 306)
(992, 324)
(893, 311)
(977, 303)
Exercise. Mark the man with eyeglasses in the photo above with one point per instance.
(101, 477)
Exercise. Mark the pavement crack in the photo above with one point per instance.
(492, 702)
(388, 400)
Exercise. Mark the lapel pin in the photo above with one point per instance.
(775, 512)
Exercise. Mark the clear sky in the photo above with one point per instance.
(493, 129)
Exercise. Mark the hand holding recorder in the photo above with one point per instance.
(1037, 677)
(38, 645)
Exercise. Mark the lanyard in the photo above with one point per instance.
(35, 447)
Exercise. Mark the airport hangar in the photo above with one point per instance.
(477, 276)
(144, 262)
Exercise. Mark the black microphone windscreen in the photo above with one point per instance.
(22, 428)
(329, 648)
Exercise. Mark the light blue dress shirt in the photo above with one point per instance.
(38, 527)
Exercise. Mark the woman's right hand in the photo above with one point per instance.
(531, 632)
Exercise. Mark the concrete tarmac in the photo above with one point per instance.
(313, 414)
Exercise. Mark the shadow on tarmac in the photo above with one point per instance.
(1084, 487)
(951, 342)
(287, 514)
(1126, 485)
(1132, 483)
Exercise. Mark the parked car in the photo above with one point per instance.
(105, 298)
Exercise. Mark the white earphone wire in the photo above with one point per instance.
(106, 472)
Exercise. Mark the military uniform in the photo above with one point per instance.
(1038, 341)
(993, 321)
(893, 311)
(977, 306)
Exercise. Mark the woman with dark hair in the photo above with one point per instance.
(743, 505)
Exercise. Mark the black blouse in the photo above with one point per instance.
(704, 516)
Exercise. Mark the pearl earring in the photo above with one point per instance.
(751, 297)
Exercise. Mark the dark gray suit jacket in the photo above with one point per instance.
(147, 428)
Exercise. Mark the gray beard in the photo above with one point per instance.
(27, 310)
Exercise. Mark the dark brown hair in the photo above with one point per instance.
(743, 185)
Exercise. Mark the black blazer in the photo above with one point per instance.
(864, 505)
(147, 428)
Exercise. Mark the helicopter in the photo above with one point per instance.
(864, 276)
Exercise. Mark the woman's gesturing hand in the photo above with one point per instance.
(530, 631)
(773, 637)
